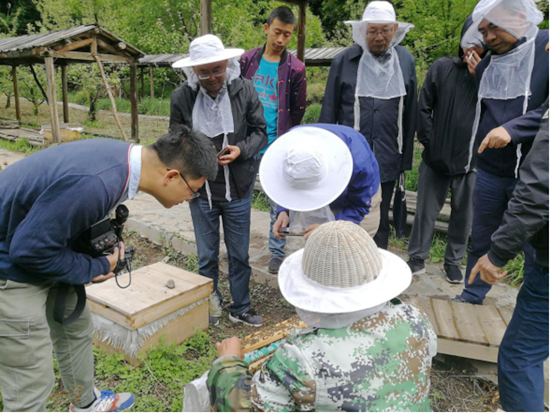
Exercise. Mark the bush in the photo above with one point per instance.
(312, 114)
(122, 105)
(154, 107)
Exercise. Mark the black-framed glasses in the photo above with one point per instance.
(194, 194)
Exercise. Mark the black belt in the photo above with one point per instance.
(61, 303)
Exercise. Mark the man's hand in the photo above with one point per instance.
(113, 261)
(282, 222)
(497, 138)
(490, 273)
(473, 61)
(309, 230)
(230, 346)
(234, 153)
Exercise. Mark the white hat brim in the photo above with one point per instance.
(336, 158)
(226, 54)
(303, 293)
(379, 22)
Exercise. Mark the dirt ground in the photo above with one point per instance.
(454, 386)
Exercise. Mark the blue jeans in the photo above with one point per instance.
(276, 246)
(490, 201)
(236, 225)
(524, 347)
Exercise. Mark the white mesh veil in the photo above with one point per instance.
(214, 117)
(508, 76)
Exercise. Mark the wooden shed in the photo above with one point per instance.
(82, 44)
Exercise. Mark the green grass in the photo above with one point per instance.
(515, 271)
(312, 114)
(21, 145)
(260, 201)
(146, 106)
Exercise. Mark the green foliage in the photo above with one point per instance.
(312, 114)
(21, 145)
(192, 263)
(260, 201)
(515, 271)
(411, 177)
(155, 107)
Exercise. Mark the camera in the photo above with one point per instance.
(102, 238)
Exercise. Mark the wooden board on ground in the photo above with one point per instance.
(148, 299)
(464, 330)
(15, 134)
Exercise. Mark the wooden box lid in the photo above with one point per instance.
(147, 299)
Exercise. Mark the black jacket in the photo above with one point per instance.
(508, 114)
(378, 116)
(526, 219)
(248, 119)
(446, 112)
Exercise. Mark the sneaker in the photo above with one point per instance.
(108, 401)
(416, 265)
(274, 265)
(454, 275)
(213, 321)
(250, 318)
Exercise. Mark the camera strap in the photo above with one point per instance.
(61, 303)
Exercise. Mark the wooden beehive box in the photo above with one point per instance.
(147, 300)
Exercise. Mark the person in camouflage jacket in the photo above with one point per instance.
(350, 358)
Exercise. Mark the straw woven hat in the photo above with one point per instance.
(341, 271)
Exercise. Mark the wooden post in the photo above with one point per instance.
(65, 94)
(16, 94)
(52, 99)
(142, 79)
(302, 32)
(206, 16)
(152, 83)
(134, 101)
(111, 97)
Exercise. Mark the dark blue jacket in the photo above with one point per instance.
(51, 197)
(378, 116)
(354, 203)
(508, 114)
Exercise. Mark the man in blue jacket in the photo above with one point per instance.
(48, 200)
(513, 86)
(317, 166)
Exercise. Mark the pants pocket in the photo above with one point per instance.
(15, 343)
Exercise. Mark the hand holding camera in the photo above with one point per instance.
(113, 261)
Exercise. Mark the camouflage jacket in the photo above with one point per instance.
(380, 363)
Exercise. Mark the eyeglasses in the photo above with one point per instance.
(194, 194)
(209, 75)
(384, 32)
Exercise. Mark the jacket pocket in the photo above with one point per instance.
(15, 342)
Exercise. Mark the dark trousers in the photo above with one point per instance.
(524, 347)
(383, 235)
(433, 187)
(490, 201)
(235, 216)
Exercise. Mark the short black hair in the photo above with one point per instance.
(190, 152)
(284, 14)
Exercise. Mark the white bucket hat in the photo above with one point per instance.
(207, 49)
(342, 271)
(306, 168)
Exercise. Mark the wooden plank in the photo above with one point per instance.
(467, 324)
(177, 330)
(75, 45)
(147, 299)
(151, 82)
(206, 16)
(492, 323)
(444, 319)
(134, 103)
(506, 315)
(108, 48)
(16, 94)
(425, 304)
(467, 350)
(142, 81)
(88, 57)
(65, 94)
(302, 31)
(52, 99)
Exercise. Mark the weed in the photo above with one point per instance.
(515, 271)
(312, 114)
(192, 263)
(21, 145)
(260, 201)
